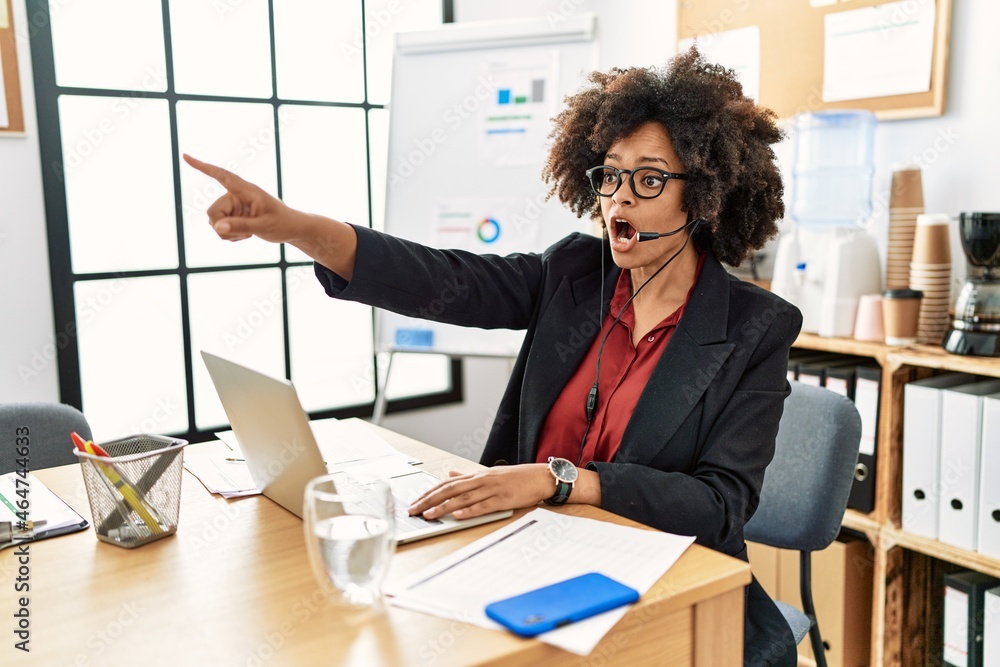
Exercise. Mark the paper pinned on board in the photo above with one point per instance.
(878, 51)
(738, 50)
(4, 119)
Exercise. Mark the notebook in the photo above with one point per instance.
(282, 454)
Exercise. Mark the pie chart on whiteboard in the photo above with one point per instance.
(489, 230)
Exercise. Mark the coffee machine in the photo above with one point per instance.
(975, 324)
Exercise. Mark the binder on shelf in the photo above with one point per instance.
(840, 380)
(797, 357)
(991, 627)
(922, 451)
(867, 383)
(817, 372)
(811, 372)
(989, 488)
(964, 618)
(961, 440)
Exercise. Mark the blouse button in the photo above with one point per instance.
(651, 339)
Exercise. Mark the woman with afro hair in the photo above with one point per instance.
(667, 415)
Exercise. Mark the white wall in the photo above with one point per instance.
(27, 352)
(629, 33)
(958, 152)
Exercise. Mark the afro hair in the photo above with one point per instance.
(722, 137)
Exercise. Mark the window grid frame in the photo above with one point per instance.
(63, 278)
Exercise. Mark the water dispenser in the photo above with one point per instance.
(827, 261)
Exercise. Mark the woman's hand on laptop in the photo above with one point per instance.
(500, 488)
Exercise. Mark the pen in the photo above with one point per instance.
(229, 458)
(147, 481)
(131, 495)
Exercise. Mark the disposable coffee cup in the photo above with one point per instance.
(930, 244)
(900, 315)
(868, 323)
(906, 193)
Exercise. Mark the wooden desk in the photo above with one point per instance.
(233, 587)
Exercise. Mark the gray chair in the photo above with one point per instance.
(48, 427)
(805, 490)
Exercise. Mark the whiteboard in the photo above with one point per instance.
(469, 118)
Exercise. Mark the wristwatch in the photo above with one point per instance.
(565, 473)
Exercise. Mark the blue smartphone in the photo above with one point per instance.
(550, 607)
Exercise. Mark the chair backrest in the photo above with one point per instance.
(48, 425)
(805, 489)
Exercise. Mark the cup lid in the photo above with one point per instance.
(902, 294)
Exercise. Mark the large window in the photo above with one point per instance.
(289, 94)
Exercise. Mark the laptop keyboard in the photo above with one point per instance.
(407, 524)
(404, 522)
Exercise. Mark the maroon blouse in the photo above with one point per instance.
(625, 369)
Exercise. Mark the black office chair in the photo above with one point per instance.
(805, 490)
(48, 427)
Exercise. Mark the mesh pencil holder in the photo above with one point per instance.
(135, 491)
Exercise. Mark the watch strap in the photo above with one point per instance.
(561, 495)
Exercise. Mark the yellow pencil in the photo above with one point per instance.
(129, 493)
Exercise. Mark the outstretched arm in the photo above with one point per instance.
(246, 210)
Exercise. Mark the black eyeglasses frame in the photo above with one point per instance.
(667, 175)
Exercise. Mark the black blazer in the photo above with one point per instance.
(693, 455)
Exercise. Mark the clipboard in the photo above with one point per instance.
(59, 517)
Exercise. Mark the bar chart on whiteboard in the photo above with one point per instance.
(514, 125)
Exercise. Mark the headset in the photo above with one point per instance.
(643, 236)
(649, 236)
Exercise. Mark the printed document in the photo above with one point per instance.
(539, 549)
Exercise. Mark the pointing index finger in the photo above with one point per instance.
(228, 179)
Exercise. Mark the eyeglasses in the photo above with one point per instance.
(646, 182)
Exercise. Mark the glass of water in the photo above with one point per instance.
(349, 526)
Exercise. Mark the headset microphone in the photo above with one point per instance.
(649, 236)
(592, 394)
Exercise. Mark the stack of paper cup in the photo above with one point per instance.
(930, 272)
(906, 202)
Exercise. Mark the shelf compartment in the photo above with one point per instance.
(971, 560)
(861, 348)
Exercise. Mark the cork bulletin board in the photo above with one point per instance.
(12, 116)
(792, 52)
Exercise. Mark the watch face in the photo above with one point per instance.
(564, 470)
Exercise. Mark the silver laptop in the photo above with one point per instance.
(282, 454)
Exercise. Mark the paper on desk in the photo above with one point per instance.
(232, 479)
(539, 549)
(338, 441)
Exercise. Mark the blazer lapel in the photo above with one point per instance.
(558, 349)
(693, 357)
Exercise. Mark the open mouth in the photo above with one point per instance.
(622, 229)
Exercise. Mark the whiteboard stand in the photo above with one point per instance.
(382, 377)
(381, 383)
